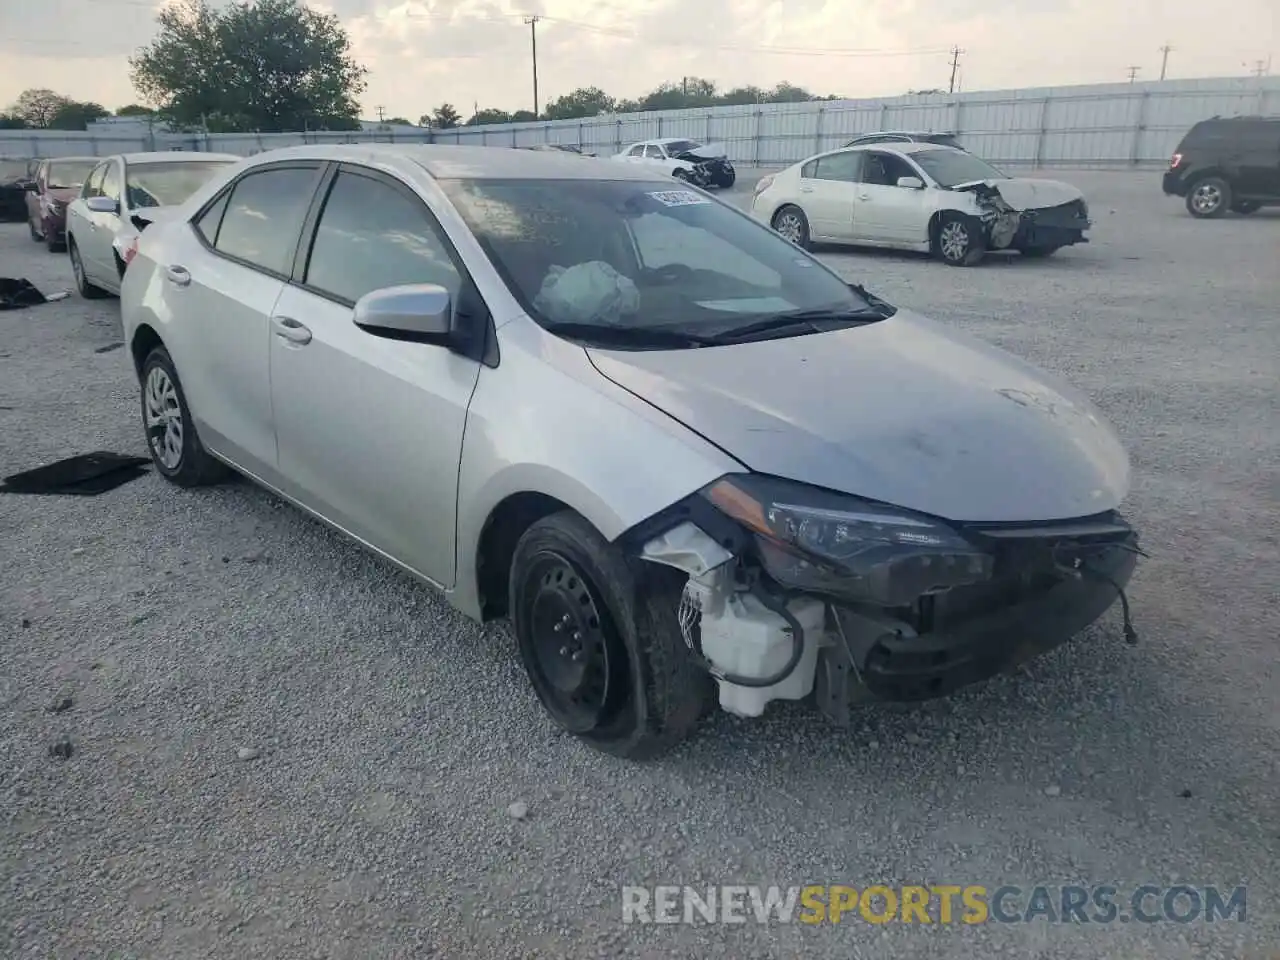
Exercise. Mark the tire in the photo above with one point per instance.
(51, 241)
(792, 224)
(1245, 207)
(35, 234)
(86, 289)
(681, 174)
(1209, 198)
(728, 181)
(175, 447)
(958, 241)
(617, 674)
(1039, 253)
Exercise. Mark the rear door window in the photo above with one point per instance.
(842, 167)
(264, 216)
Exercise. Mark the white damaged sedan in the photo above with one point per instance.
(920, 196)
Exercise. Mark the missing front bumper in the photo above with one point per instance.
(878, 658)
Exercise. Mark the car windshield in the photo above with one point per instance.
(950, 167)
(168, 183)
(680, 146)
(642, 256)
(69, 174)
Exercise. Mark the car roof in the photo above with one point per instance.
(450, 161)
(903, 147)
(175, 156)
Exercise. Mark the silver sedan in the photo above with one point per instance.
(691, 463)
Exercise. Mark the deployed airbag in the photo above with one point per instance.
(592, 292)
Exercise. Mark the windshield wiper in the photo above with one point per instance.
(628, 336)
(797, 321)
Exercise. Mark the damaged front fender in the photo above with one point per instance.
(1023, 213)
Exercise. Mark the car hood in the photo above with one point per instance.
(708, 151)
(902, 411)
(1026, 193)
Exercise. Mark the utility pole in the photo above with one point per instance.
(1164, 60)
(1261, 67)
(533, 38)
(1133, 73)
(381, 113)
(955, 65)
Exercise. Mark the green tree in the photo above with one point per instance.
(11, 121)
(523, 116)
(265, 65)
(488, 115)
(445, 116)
(788, 93)
(135, 110)
(398, 122)
(741, 95)
(583, 102)
(38, 107)
(73, 115)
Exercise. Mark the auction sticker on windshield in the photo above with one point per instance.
(678, 198)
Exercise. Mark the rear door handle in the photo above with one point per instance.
(806, 189)
(290, 329)
(178, 275)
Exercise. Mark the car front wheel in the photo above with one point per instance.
(793, 225)
(86, 289)
(959, 241)
(175, 446)
(600, 640)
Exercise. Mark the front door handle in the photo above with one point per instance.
(806, 189)
(178, 275)
(864, 196)
(290, 329)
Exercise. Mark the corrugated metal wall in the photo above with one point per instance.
(1120, 124)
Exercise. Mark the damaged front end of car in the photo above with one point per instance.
(794, 590)
(708, 171)
(1019, 225)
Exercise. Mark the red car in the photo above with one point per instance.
(57, 183)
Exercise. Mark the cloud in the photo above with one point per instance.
(421, 53)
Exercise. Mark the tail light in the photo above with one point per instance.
(763, 184)
(1174, 161)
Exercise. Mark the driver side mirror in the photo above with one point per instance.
(102, 205)
(420, 312)
(911, 183)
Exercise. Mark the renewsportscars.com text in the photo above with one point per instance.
(936, 904)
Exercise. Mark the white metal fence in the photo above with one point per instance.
(1105, 125)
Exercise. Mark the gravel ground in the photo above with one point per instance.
(392, 735)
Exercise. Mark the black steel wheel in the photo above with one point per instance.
(600, 640)
(575, 661)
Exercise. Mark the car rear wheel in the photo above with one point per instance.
(1208, 198)
(600, 640)
(793, 225)
(958, 241)
(86, 289)
(175, 446)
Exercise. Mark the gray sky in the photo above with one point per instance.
(420, 54)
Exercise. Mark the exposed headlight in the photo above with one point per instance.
(815, 540)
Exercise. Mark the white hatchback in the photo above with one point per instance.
(920, 196)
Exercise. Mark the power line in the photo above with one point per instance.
(1133, 73)
(1164, 59)
(533, 38)
(955, 65)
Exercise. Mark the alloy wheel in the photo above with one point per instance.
(163, 418)
(1206, 198)
(789, 227)
(953, 241)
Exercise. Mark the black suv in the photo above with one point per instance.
(1227, 164)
